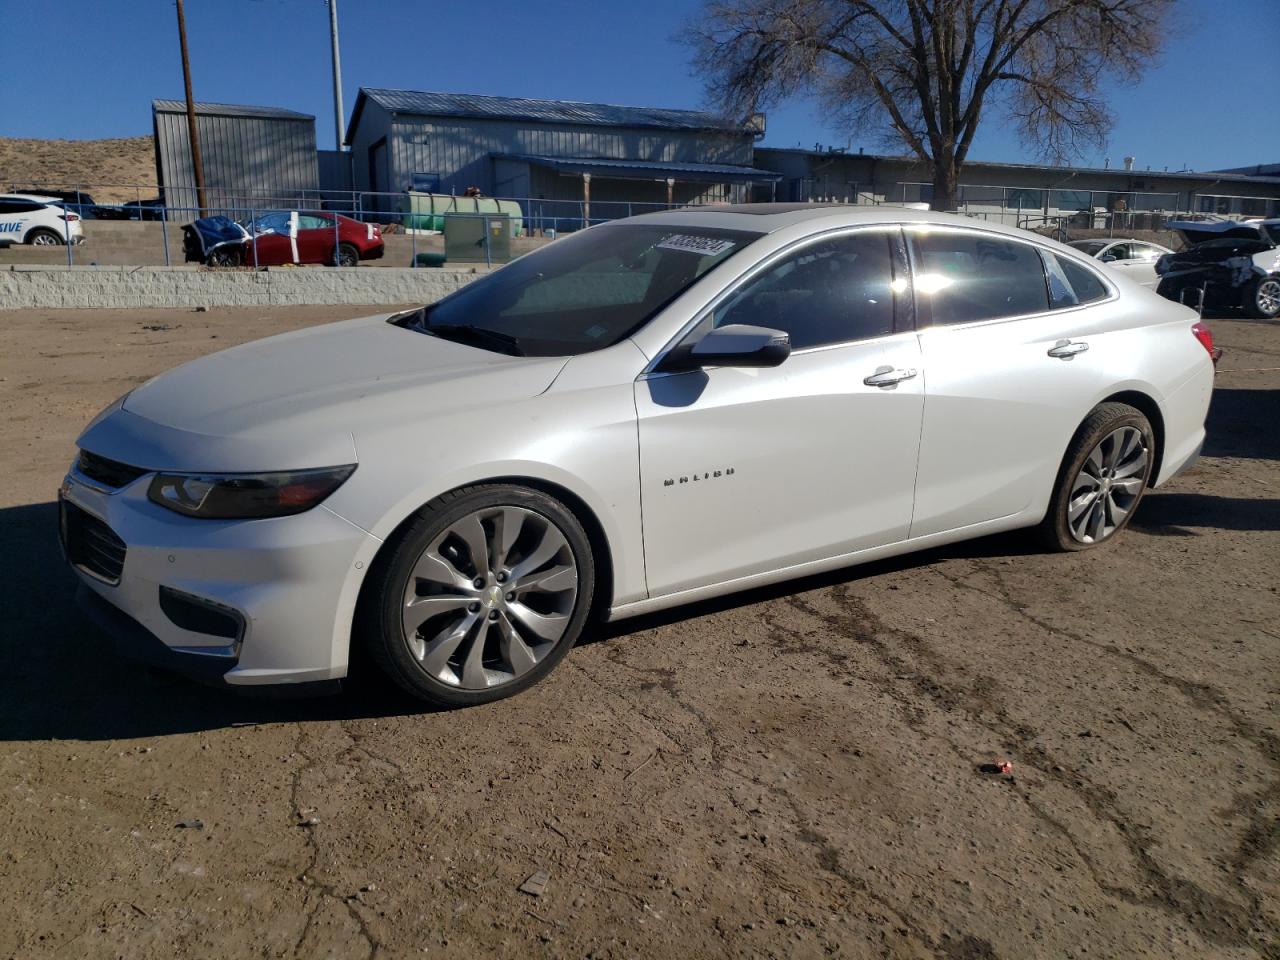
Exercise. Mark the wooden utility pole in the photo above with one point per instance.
(196, 164)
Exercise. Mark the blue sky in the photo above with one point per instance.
(1209, 104)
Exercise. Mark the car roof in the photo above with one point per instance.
(768, 217)
(33, 197)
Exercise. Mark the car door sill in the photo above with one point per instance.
(636, 608)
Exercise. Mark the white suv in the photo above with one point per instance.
(29, 218)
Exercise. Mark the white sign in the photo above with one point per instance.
(704, 246)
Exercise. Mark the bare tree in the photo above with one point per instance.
(924, 71)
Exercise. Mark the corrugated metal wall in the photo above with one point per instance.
(459, 150)
(248, 161)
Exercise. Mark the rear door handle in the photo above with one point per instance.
(1066, 349)
(888, 376)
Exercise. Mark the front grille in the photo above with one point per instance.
(91, 545)
(110, 473)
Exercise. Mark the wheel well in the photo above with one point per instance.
(1151, 410)
(590, 523)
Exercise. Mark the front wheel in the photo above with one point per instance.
(1103, 476)
(479, 596)
(1262, 298)
(226, 257)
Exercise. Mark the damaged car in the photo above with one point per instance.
(1226, 263)
(278, 238)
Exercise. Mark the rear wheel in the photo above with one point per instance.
(480, 596)
(1103, 477)
(43, 237)
(348, 256)
(1262, 298)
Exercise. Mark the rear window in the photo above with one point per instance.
(964, 277)
(1071, 284)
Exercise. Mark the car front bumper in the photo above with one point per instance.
(288, 584)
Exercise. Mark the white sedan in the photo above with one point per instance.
(642, 414)
(37, 220)
(1136, 259)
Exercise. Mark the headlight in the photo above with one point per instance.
(240, 496)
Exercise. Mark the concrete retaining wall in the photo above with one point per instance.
(25, 287)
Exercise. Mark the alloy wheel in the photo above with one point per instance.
(490, 597)
(44, 240)
(1268, 297)
(1108, 486)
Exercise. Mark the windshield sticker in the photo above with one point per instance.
(704, 246)
(596, 332)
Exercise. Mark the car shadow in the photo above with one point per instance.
(60, 678)
(1174, 514)
(1240, 424)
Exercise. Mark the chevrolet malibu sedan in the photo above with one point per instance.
(639, 415)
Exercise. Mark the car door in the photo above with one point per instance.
(15, 219)
(1130, 259)
(747, 470)
(271, 244)
(316, 238)
(1012, 357)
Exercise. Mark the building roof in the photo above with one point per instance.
(650, 169)
(483, 107)
(1210, 175)
(229, 110)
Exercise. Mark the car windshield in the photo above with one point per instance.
(584, 292)
(1091, 247)
(1273, 231)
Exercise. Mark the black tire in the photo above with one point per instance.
(43, 236)
(1262, 298)
(348, 256)
(226, 257)
(379, 619)
(1105, 419)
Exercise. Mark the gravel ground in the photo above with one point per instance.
(791, 772)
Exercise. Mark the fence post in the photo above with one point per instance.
(337, 242)
(164, 236)
(488, 260)
(66, 231)
(253, 228)
(413, 240)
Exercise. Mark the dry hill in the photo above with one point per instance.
(108, 169)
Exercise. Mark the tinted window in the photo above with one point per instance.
(832, 291)
(972, 276)
(1071, 284)
(20, 206)
(588, 290)
(307, 221)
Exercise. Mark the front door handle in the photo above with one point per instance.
(888, 376)
(1066, 349)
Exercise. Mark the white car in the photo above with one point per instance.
(37, 220)
(638, 415)
(1136, 259)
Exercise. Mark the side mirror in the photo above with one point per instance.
(733, 345)
(1109, 258)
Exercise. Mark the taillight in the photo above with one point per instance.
(1205, 336)
(69, 217)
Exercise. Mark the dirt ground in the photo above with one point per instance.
(112, 171)
(791, 772)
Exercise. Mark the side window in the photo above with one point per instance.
(1118, 251)
(19, 206)
(967, 276)
(307, 221)
(1143, 251)
(832, 291)
(1071, 284)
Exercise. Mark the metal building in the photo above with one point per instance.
(252, 156)
(607, 158)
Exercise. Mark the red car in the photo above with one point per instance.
(273, 239)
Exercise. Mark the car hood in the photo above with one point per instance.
(1198, 231)
(301, 399)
